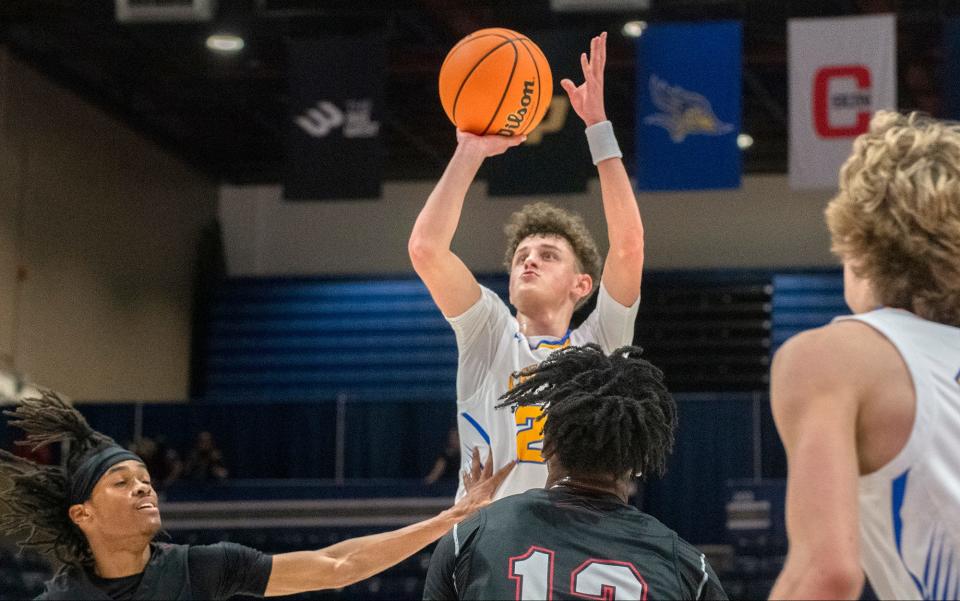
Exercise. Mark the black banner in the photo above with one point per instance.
(555, 158)
(334, 147)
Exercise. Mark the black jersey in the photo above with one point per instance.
(566, 544)
(174, 572)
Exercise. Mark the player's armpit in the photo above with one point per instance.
(815, 400)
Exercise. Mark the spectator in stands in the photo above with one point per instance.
(99, 516)
(205, 461)
(162, 461)
(447, 465)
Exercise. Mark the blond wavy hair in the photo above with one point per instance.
(897, 216)
(545, 219)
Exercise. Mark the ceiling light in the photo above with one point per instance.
(634, 29)
(225, 42)
(744, 141)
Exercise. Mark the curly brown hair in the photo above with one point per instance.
(897, 216)
(545, 219)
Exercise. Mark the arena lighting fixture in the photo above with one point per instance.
(744, 141)
(225, 42)
(634, 29)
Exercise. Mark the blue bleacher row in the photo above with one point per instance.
(384, 339)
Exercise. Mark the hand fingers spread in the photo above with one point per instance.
(488, 468)
(475, 465)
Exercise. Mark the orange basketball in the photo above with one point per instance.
(495, 81)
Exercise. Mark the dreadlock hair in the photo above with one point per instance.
(37, 498)
(604, 414)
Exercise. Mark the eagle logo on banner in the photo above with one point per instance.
(683, 113)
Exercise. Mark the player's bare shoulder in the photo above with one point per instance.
(849, 361)
(842, 354)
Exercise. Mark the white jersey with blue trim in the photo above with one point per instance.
(910, 508)
(491, 349)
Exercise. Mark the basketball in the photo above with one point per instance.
(495, 81)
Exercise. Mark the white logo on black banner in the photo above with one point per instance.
(325, 116)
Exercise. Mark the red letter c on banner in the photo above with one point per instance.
(821, 101)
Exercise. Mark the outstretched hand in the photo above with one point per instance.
(489, 145)
(587, 98)
(481, 483)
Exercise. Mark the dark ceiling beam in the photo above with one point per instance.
(459, 19)
(234, 109)
(755, 86)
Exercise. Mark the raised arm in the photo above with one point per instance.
(814, 395)
(355, 559)
(450, 282)
(624, 265)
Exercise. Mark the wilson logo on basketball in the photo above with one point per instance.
(495, 81)
(515, 119)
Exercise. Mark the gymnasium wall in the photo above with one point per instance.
(763, 224)
(104, 224)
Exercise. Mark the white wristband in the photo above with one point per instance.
(602, 142)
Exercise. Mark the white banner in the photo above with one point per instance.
(841, 71)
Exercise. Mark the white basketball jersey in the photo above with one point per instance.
(491, 349)
(910, 508)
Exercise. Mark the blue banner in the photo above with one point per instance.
(688, 106)
(952, 65)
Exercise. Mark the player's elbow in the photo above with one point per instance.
(423, 252)
(629, 250)
(343, 574)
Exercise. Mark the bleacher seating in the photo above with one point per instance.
(384, 339)
(805, 300)
(323, 339)
(708, 331)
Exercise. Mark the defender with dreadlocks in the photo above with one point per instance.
(554, 268)
(608, 418)
(100, 515)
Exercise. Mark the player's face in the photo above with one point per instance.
(123, 504)
(857, 291)
(544, 274)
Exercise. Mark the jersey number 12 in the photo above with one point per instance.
(601, 579)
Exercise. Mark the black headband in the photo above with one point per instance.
(81, 482)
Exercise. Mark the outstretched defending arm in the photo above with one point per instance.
(355, 559)
(624, 265)
(450, 282)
